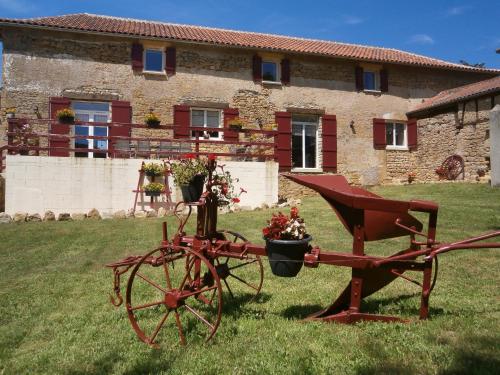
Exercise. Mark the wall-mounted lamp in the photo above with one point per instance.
(351, 125)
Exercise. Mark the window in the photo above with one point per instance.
(91, 112)
(395, 135)
(371, 80)
(269, 71)
(154, 60)
(207, 118)
(304, 141)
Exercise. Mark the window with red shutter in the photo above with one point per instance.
(412, 131)
(182, 121)
(257, 68)
(384, 80)
(230, 114)
(359, 78)
(170, 60)
(285, 71)
(55, 144)
(329, 133)
(137, 56)
(379, 135)
(121, 112)
(283, 141)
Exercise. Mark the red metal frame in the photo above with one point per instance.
(365, 215)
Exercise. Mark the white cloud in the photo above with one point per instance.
(353, 20)
(458, 10)
(421, 39)
(17, 6)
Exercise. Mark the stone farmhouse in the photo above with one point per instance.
(339, 108)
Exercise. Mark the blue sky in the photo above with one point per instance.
(451, 30)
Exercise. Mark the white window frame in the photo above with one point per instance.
(160, 72)
(376, 74)
(278, 71)
(91, 115)
(304, 124)
(219, 137)
(394, 146)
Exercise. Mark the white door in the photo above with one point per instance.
(91, 112)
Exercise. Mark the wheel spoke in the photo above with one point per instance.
(244, 282)
(167, 274)
(158, 327)
(179, 327)
(199, 291)
(199, 316)
(151, 282)
(228, 288)
(147, 305)
(242, 264)
(188, 272)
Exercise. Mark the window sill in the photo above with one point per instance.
(307, 170)
(397, 148)
(373, 92)
(272, 83)
(150, 72)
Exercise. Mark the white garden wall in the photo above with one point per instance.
(35, 184)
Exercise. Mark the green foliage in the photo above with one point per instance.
(55, 316)
(154, 169)
(184, 170)
(154, 187)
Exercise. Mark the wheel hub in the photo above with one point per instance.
(222, 270)
(174, 299)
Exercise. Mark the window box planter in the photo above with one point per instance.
(286, 257)
(236, 127)
(66, 120)
(153, 123)
(192, 192)
(152, 193)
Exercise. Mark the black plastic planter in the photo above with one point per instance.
(286, 257)
(153, 193)
(193, 191)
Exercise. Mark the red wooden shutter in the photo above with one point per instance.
(285, 71)
(329, 131)
(229, 114)
(170, 60)
(384, 81)
(284, 140)
(257, 68)
(137, 52)
(379, 139)
(182, 121)
(411, 128)
(359, 78)
(56, 104)
(121, 112)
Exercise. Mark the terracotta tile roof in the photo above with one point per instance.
(149, 29)
(458, 94)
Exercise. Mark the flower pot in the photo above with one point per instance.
(193, 191)
(10, 115)
(153, 124)
(235, 127)
(286, 257)
(67, 120)
(153, 174)
(153, 193)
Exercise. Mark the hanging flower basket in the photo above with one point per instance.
(66, 116)
(192, 191)
(286, 243)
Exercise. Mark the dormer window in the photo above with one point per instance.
(270, 71)
(154, 60)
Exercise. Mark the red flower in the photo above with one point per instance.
(190, 156)
(224, 189)
(294, 212)
(236, 200)
(211, 157)
(265, 231)
(243, 190)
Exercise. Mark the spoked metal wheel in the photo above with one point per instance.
(241, 277)
(174, 293)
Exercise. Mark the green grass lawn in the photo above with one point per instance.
(55, 316)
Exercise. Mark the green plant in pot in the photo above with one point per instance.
(65, 116)
(236, 124)
(153, 189)
(152, 120)
(286, 243)
(153, 169)
(189, 174)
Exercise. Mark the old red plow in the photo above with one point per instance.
(176, 289)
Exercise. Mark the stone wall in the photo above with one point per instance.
(462, 132)
(40, 64)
